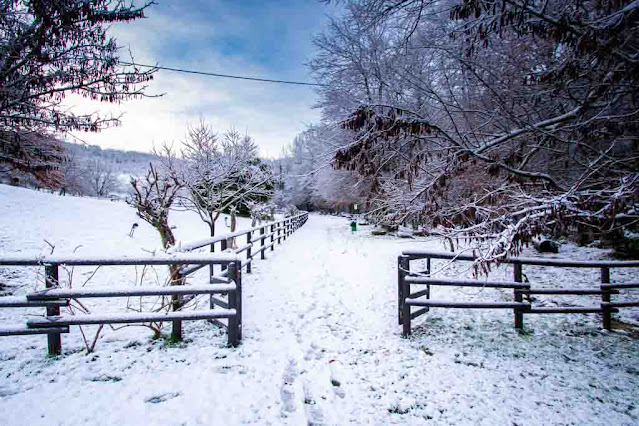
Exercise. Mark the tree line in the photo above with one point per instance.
(495, 121)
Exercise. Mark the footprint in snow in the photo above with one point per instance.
(336, 378)
(162, 398)
(287, 391)
(314, 413)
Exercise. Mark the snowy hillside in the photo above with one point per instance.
(83, 225)
(321, 341)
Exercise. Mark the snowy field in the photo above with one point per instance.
(321, 341)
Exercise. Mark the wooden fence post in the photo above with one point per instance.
(224, 245)
(272, 237)
(279, 230)
(235, 302)
(54, 341)
(519, 316)
(212, 265)
(176, 304)
(403, 265)
(249, 261)
(262, 231)
(605, 297)
(406, 319)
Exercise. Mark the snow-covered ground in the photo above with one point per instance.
(321, 341)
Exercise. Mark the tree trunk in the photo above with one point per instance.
(166, 234)
(212, 232)
(231, 241)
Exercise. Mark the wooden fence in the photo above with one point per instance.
(227, 283)
(268, 235)
(421, 299)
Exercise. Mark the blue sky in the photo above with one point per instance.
(269, 39)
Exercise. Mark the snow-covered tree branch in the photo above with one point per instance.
(492, 120)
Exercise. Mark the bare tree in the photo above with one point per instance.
(152, 197)
(101, 178)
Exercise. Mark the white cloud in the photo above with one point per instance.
(273, 114)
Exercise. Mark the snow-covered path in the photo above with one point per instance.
(325, 308)
(321, 346)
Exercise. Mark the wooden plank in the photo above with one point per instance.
(272, 237)
(622, 304)
(160, 259)
(223, 247)
(219, 279)
(128, 318)
(565, 310)
(422, 254)
(235, 303)
(219, 302)
(264, 248)
(21, 330)
(518, 277)
(620, 285)
(403, 266)
(452, 282)
(419, 312)
(187, 270)
(54, 341)
(570, 291)
(262, 237)
(249, 255)
(605, 297)
(81, 293)
(23, 302)
(467, 305)
(404, 290)
(420, 293)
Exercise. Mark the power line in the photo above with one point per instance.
(212, 74)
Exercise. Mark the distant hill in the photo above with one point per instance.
(123, 162)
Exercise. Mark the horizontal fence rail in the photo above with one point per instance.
(227, 283)
(257, 240)
(421, 299)
(160, 259)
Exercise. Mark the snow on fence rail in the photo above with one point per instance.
(228, 283)
(421, 299)
(278, 230)
(53, 297)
